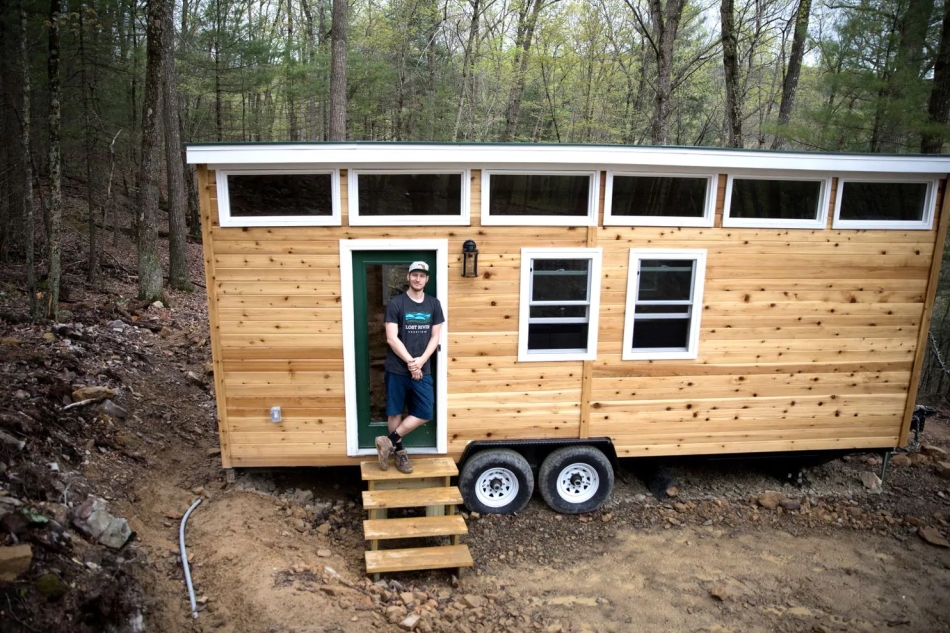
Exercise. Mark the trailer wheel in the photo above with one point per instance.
(496, 481)
(576, 479)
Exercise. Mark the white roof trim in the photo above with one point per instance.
(382, 155)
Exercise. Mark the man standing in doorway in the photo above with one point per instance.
(413, 326)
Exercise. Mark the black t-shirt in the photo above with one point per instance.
(415, 321)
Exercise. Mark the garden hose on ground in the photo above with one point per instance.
(184, 560)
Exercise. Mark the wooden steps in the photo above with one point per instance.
(414, 527)
(409, 498)
(417, 558)
(428, 486)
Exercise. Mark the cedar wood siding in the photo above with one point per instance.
(808, 340)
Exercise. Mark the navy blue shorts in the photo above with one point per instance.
(419, 393)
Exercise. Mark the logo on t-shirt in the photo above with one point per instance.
(418, 318)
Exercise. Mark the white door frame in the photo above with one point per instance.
(347, 247)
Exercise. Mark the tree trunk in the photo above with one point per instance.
(55, 162)
(467, 65)
(92, 262)
(311, 72)
(289, 62)
(146, 204)
(790, 82)
(338, 71)
(218, 119)
(938, 109)
(730, 65)
(526, 26)
(665, 29)
(175, 168)
(27, 148)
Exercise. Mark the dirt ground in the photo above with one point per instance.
(282, 551)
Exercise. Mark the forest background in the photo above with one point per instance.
(99, 95)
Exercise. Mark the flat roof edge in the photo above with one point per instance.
(395, 155)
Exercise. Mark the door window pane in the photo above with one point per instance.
(410, 194)
(883, 201)
(539, 194)
(270, 195)
(662, 196)
(774, 199)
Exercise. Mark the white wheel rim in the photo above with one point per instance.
(496, 487)
(578, 483)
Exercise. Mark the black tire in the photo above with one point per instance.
(496, 481)
(585, 476)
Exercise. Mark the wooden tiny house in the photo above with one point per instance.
(666, 301)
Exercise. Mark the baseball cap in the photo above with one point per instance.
(424, 267)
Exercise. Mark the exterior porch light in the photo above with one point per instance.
(469, 259)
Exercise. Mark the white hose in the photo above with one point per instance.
(184, 560)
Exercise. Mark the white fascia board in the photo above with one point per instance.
(382, 155)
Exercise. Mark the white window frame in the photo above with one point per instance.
(407, 220)
(709, 208)
(820, 222)
(540, 220)
(691, 352)
(924, 224)
(528, 255)
(224, 200)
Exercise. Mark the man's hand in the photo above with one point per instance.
(415, 365)
(417, 374)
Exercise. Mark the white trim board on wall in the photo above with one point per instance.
(347, 248)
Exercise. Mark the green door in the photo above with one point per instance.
(377, 277)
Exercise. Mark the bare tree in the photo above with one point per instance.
(527, 22)
(794, 71)
(468, 57)
(661, 34)
(938, 109)
(55, 161)
(92, 263)
(27, 148)
(175, 168)
(146, 202)
(338, 71)
(730, 65)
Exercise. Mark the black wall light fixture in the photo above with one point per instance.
(469, 259)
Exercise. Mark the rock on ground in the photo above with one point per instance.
(14, 560)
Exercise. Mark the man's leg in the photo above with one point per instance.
(395, 402)
(394, 421)
(420, 411)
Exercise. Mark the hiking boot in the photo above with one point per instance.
(402, 462)
(384, 448)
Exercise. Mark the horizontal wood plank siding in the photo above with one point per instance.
(808, 340)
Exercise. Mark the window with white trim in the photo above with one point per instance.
(550, 198)
(885, 204)
(285, 198)
(776, 202)
(408, 197)
(560, 303)
(664, 304)
(645, 199)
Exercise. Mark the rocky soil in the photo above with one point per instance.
(107, 437)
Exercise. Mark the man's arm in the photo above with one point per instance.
(392, 338)
(433, 344)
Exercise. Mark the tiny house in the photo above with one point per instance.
(601, 302)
